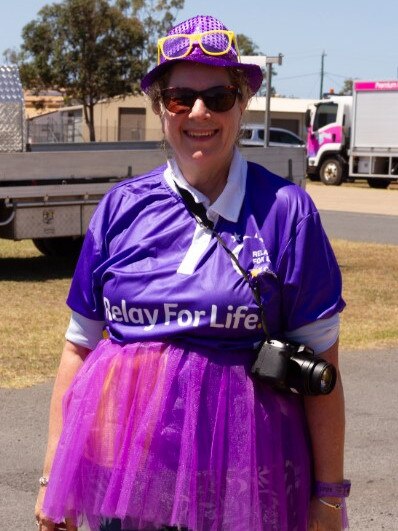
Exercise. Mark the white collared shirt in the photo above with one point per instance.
(229, 202)
(227, 205)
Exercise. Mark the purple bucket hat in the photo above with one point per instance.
(201, 24)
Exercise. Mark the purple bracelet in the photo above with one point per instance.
(335, 490)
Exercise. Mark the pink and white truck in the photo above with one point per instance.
(355, 137)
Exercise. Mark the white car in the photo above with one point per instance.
(253, 135)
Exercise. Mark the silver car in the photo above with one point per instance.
(253, 135)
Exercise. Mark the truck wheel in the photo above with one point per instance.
(331, 172)
(65, 247)
(379, 183)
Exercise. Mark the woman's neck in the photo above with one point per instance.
(209, 181)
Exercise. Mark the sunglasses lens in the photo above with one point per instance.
(215, 43)
(178, 100)
(175, 46)
(219, 99)
(216, 99)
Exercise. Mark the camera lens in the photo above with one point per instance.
(311, 376)
(327, 379)
(323, 378)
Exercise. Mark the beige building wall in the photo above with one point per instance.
(125, 118)
(131, 118)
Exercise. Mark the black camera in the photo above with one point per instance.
(294, 367)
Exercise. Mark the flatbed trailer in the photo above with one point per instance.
(48, 196)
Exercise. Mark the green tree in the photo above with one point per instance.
(87, 49)
(246, 45)
(10, 56)
(157, 17)
(346, 89)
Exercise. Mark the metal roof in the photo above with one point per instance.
(10, 85)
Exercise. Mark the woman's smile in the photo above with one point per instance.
(197, 134)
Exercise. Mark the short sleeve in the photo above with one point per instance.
(85, 294)
(309, 274)
(84, 332)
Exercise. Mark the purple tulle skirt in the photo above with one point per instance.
(158, 435)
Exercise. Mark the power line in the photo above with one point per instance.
(326, 73)
(338, 75)
(296, 77)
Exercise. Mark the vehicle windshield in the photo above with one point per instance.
(325, 114)
(283, 137)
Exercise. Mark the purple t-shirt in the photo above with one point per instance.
(140, 232)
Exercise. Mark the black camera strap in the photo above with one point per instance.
(199, 213)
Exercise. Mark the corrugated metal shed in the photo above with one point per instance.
(12, 115)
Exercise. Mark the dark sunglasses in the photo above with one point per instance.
(217, 99)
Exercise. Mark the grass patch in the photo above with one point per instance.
(370, 288)
(34, 315)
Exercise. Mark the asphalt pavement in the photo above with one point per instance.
(371, 408)
(360, 227)
(357, 213)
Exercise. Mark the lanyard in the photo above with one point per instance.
(199, 213)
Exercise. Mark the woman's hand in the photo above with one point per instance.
(44, 524)
(324, 518)
(72, 359)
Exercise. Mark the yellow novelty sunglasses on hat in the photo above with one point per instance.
(214, 42)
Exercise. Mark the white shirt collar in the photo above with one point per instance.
(229, 202)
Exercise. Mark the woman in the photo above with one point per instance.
(163, 424)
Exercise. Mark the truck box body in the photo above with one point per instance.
(374, 133)
(375, 116)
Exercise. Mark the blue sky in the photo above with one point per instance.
(360, 38)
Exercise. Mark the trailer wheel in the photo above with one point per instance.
(65, 247)
(379, 183)
(331, 172)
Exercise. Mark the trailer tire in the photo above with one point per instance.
(331, 172)
(63, 247)
(379, 183)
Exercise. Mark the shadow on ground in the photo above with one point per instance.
(37, 268)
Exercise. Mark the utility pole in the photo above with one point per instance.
(322, 73)
(269, 61)
(265, 61)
